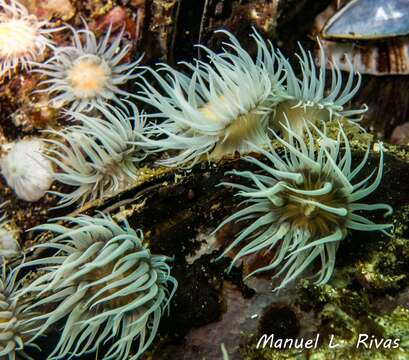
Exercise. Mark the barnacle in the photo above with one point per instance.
(307, 98)
(218, 107)
(22, 37)
(27, 171)
(89, 72)
(106, 283)
(15, 329)
(303, 204)
(9, 245)
(97, 156)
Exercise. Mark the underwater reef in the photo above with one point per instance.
(204, 180)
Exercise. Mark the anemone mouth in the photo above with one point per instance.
(17, 37)
(88, 76)
(302, 209)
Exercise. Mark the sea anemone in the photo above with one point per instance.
(217, 108)
(22, 37)
(9, 245)
(15, 327)
(88, 73)
(26, 170)
(303, 204)
(307, 99)
(106, 283)
(97, 157)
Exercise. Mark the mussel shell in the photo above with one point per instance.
(383, 57)
(369, 20)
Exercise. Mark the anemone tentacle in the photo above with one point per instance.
(218, 107)
(98, 157)
(305, 205)
(89, 72)
(105, 283)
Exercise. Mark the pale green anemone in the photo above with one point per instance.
(302, 204)
(16, 326)
(89, 72)
(307, 97)
(106, 285)
(218, 107)
(23, 37)
(97, 157)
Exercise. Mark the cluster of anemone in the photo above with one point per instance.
(89, 72)
(98, 275)
(224, 104)
(302, 204)
(23, 38)
(15, 325)
(98, 157)
(105, 283)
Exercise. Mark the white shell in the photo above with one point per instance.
(27, 170)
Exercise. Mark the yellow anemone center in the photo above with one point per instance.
(17, 37)
(88, 76)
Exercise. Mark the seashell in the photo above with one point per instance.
(387, 57)
(369, 19)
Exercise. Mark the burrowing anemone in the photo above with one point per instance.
(308, 99)
(89, 72)
(26, 170)
(22, 37)
(105, 283)
(302, 204)
(98, 157)
(218, 107)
